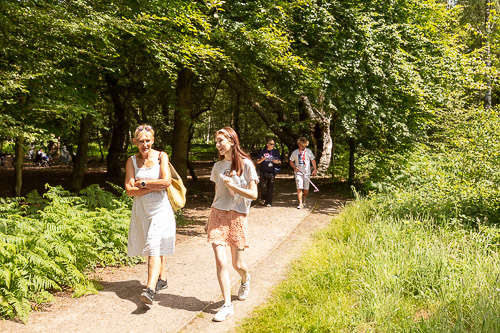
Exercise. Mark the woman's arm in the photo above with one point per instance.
(249, 193)
(261, 158)
(130, 181)
(277, 157)
(165, 177)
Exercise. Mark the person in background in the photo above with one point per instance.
(236, 182)
(65, 156)
(301, 160)
(269, 158)
(152, 226)
(42, 157)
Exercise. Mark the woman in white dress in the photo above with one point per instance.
(152, 226)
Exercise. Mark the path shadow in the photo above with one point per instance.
(330, 199)
(128, 290)
(213, 307)
(173, 301)
(190, 230)
(131, 290)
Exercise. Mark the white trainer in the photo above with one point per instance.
(225, 311)
(244, 289)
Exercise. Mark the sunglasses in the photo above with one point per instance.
(142, 128)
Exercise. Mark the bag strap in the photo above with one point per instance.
(173, 172)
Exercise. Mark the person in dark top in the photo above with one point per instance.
(268, 159)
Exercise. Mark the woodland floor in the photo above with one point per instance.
(278, 235)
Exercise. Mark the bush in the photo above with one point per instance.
(370, 273)
(454, 180)
(49, 243)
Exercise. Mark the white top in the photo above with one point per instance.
(303, 160)
(152, 226)
(224, 199)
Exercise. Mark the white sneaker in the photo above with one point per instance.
(225, 311)
(244, 289)
(300, 206)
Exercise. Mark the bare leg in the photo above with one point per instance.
(238, 264)
(299, 195)
(154, 267)
(304, 196)
(222, 272)
(163, 269)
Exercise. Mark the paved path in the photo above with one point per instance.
(276, 235)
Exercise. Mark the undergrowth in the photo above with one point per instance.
(49, 243)
(420, 254)
(368, 273)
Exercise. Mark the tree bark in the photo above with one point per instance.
(81, 154)
(18, 165)
(182, 120)
(334, 135)
(119, 125)
(487, 97)
(352, 149)
(236, 114)
(320, 120)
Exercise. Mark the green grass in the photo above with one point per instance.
(371, 274)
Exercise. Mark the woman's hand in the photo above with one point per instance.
(228, 181)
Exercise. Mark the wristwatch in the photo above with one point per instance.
(143, 184)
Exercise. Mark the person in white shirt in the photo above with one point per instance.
(152, 224)
(301, 160)
(235, 181)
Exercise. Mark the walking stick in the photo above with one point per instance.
(316, 189)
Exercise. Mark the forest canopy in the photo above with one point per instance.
(364, 80)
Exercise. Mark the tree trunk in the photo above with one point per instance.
(119, 125)
(190, 166)
(334, 134)
(182, 120)
(18, 165)
(352, 149)
(81, 154)
(487, 97)
(320, 121)
(236, 114)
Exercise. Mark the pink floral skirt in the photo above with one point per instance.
(227, 228)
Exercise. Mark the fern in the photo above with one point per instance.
(5, 276)
(39, 282)
(49, 242)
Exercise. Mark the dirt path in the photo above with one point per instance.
(277, 236)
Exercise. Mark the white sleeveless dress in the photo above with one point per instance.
(152, 227)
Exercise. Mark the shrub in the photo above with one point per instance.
(454, 180)
(49, 243)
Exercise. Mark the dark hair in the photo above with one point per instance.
(237, 154)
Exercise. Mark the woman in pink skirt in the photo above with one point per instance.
(235, 181)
